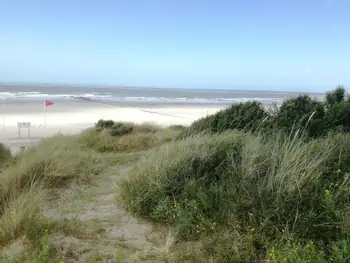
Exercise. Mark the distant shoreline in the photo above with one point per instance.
(74, 116)
(107, 86)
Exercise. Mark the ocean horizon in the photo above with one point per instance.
(143, 95)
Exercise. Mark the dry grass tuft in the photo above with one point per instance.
(125, 137)
(20, 213)
(24, 184)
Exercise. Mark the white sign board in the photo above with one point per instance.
(25, 125)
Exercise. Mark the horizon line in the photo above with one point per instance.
(101, 85)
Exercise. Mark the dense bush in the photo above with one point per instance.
(247, 116)
(245, 193)
(299, 113)
(302, 114)
(104, 124)
(120, 129)
(337, 110)
(124, 128)
(336, 96)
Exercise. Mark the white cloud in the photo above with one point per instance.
(308, 71)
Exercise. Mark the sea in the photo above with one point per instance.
(134, 95)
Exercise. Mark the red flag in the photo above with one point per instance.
(48, 103)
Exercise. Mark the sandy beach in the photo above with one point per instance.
(74, 116)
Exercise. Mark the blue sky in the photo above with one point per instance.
(257, 44)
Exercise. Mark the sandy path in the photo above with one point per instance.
(110, 232)
(92, 227)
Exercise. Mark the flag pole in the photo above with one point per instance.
(44, 113)
(4, 114)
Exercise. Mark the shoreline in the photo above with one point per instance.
(73, 117)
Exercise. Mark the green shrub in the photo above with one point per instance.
(121, 128)
(337, 117)
(104, 124)
(247, 116)
(316, 117)
(259, 186)
(160, 184)
(301, 113)
(335, 97)
(124, 128)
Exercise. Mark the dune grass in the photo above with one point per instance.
(247, 196)
(24, 185)
(117, 137)
(28, 180)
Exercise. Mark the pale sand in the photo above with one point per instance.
(72, 118)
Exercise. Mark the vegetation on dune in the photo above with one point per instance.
(104, 142)
(110, 136)
(314, 118)
(245, 195)
(124, 128)
(243, 116)
(24, 184)
(255, 185)
(29, 179)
